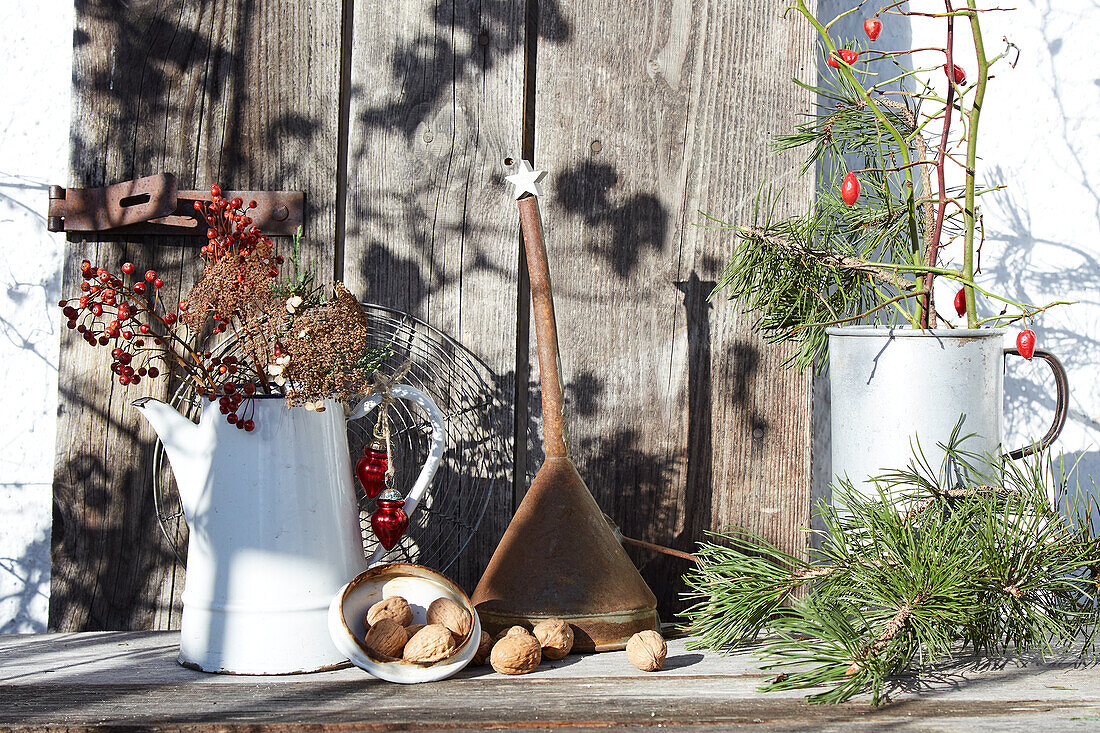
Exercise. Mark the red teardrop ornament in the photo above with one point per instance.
(389, 520)
(371, 469)
(1025, 343)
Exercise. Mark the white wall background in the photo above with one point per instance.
(35, 79)
(1040, 134)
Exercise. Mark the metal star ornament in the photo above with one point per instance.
(527, 180)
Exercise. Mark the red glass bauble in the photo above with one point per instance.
(371, 469)
(389, 520)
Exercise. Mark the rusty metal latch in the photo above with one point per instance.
(154, 205)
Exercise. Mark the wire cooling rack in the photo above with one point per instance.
(474, 464)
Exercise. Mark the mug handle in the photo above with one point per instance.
(1061, 408)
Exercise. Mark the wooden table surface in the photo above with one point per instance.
(131, 680)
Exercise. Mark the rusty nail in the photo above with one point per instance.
(596, 146)
(281, 213)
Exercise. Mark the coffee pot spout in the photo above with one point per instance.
(187, 447)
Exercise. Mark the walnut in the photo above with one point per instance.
(394, 607)
(448, 613)
(387, 637)
(481, 656)
(646, 650)
(556, 638)
(512, 631)
(431, 644)
(413, 628)
(516, 654)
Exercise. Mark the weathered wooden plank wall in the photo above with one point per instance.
(243, 92)
(683, 420)
(399, 120)
(436, 99)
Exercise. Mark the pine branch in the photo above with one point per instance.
(851, 264)
(882, 641)
(967, 553)
(765, 576)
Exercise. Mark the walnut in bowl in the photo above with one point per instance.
(434, 659)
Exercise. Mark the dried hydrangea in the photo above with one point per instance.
(328, 347)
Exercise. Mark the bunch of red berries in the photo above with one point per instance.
(231, 402)
(125, 313)
(109, 312)
(234, 394)
(231, 230)
(126, 373)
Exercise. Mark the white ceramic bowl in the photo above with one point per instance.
(417, 585)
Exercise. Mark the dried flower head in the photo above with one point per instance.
(328, 344)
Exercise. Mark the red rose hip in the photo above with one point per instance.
(849, 189)
(872, 27)
(960, 74)
(847, 55)
(1025, 343)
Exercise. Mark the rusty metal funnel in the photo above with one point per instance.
(559, 557)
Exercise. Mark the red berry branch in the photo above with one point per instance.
(126, 313)
(870, 253)
(932, 224)
(228, 338)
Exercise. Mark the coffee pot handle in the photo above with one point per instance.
(435, 452)
(1061, 408)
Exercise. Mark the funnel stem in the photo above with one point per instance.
(546, 330)
(660, 548)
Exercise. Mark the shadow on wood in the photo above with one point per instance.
(186, 88)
